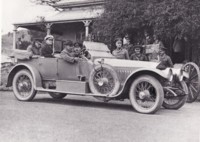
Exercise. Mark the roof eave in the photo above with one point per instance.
(81, 4)
(54, 22)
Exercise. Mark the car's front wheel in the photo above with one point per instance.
(57, 95)
(146, 94)
(104, 80)
(23, 86)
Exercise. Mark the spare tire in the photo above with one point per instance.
(104, 80)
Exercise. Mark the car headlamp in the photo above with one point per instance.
(180, 75)
(170, 75)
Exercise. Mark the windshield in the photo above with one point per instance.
(97, 49)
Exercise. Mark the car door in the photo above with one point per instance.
(67, 71)
(48, 68)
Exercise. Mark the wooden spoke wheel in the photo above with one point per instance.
(23, 86)
(193, 82)
(146, 94)
(175, 102)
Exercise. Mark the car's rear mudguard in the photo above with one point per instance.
(35, 74)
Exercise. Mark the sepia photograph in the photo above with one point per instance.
(100, 71)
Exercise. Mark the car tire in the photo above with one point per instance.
(193, 82)
(23, 86)
(152, 91)
(167, 104)
(57, 96)
(98, 82)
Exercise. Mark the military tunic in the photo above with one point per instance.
(47, 51)
(120, 53)
(130, 48)
(34, 50)
(138, 57)
(68, 56)
(166, 61)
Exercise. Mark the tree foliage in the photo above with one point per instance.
(166, 18)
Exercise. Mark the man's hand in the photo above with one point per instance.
(76, 59)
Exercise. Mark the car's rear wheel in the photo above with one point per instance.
(175, 102)
(23, 86)
(146, 94)
(57, 95)
(104, 80)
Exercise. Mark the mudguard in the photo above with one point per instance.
(153, 72)
(163, 73)
(34, 72)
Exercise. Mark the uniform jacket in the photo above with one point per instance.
(68, 56)
(120, 53)
(34, 50)
(46, 51)
(138, 57)
(166, 61)
(130, 48)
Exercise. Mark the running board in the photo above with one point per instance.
(72, 93)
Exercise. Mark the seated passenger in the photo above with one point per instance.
(165, 60)
(34, 48)
(128, 46)
(79, 51)
(68, 53)
(138, 54)
(154, 57)
(47, 48)
(120, 52)
(85, 52)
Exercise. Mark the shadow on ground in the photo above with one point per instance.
(86, 103)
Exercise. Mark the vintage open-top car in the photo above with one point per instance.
(102, 76)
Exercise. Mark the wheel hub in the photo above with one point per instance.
(23, 85)
(102, 81)
(144, 94)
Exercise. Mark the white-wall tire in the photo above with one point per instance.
(23, 86)
(151, 91)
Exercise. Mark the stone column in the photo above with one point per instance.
(87, 24)
(14, 37)
(48, 27)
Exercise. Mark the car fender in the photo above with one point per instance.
(34, 72)
(154, 72)
(142, 71)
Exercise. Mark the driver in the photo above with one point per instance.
(77, 49)
(68, 53)
(80, 51)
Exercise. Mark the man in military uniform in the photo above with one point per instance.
(128, 46)
(120, 52)
(138, 54)
(34, 48)
(47, 48)
(165, 60)
(68, 53)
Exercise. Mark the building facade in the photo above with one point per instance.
(72, 22)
